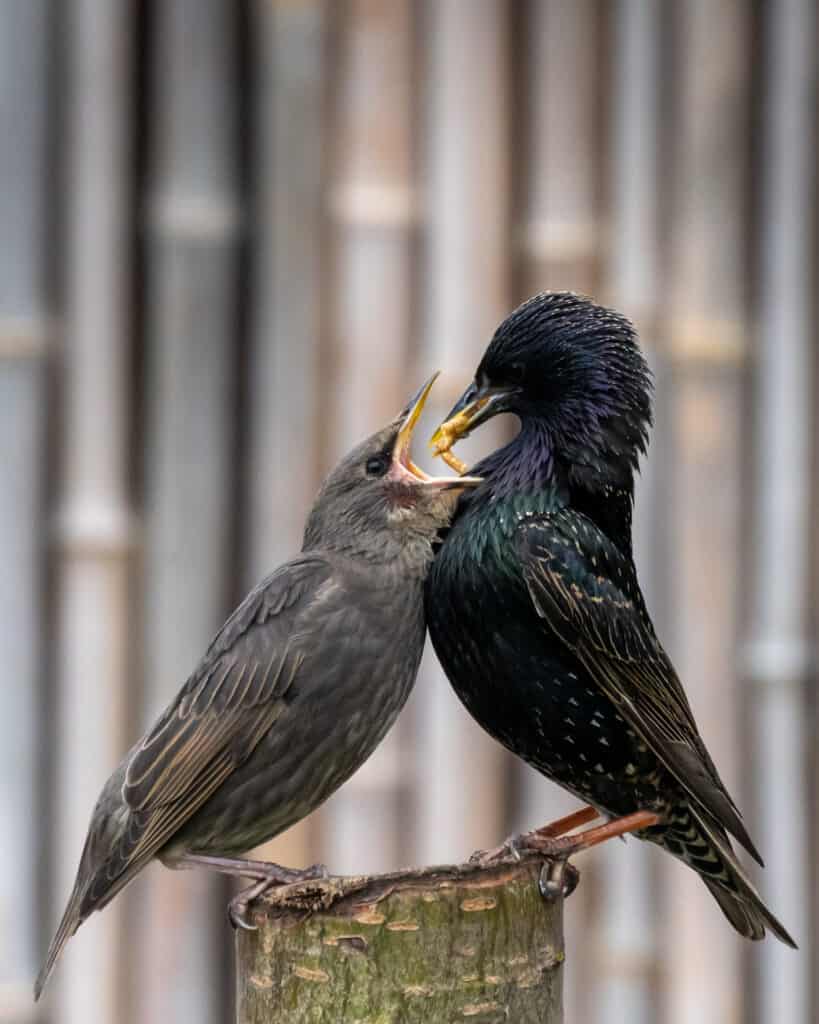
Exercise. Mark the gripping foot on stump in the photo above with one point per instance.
(266, 876)
(558, 877)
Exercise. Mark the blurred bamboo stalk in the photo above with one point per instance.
(707, 328)
(284, 366)
(461, 772)
(94, 523)
(193, 216)
(24, 335)
(559, 238)
(778, 647)
(558, 247)
(372, 204)
(626, 968)
(345, 78)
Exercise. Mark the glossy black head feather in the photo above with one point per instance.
(579, 383)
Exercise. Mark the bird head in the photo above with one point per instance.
(377, 500)
(573, 372)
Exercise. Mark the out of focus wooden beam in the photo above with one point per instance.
(372, 205)
(283, 431)
(626, 968)
(779, 648)
(461, 772)
(94, 528)
(560, 232)
(192, 219)
(707, 327)
(558, 246)
(25, 92)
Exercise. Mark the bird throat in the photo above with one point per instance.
(524, 466)
(527, 478)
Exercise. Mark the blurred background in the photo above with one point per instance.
(235, 235)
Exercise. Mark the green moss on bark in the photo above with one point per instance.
(443, 944)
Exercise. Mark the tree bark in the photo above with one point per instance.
(443, 944)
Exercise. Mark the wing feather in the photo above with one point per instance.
(220, 715)
(586, 591)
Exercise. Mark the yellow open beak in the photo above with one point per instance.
(402, 462)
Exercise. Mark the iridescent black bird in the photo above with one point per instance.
(533, 603)
(294, 693)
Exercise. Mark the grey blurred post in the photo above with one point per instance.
(193, 219)
(558, 245)
(778, 647)
(465, 294)
(94, 525)
(284, 366)
(559, 238)
(628, 964)
(372, 205)
(24, 335)
(707, 331)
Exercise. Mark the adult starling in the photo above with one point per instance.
(533, 603)
(294, 693)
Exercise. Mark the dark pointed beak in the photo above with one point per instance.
(476, 405)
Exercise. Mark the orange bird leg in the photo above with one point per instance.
(563, 825)
(553, 876)
(517, 844)
(565, 846)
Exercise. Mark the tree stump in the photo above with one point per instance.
(470, 944)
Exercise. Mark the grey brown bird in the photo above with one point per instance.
(294, 693)
(534, 607)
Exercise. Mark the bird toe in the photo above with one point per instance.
(237, 914)
(558, 879)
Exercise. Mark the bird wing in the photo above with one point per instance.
(221, 713)
(587, 592)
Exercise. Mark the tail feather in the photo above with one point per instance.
(736, 895)
(87, 896)
(748, 914)
(705, 847)
(71, 921)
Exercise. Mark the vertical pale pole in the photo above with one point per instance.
(465, 294)
(192, 219)
(372, 205)
(24, 330)
(707, 336)
(559, 237)
(93, 527)
(283, 387)
(626, 965)
(778, 647)
(558, 246)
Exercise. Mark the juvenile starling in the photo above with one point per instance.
(295, 692)
(533, 603)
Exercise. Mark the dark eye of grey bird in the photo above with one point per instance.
(376, 466)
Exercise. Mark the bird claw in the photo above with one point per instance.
(237, 911)
(508, 848)
(238, 907)
(558, 879)
(316, 872)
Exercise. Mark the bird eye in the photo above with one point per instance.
(515, 373)
(376, 466)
